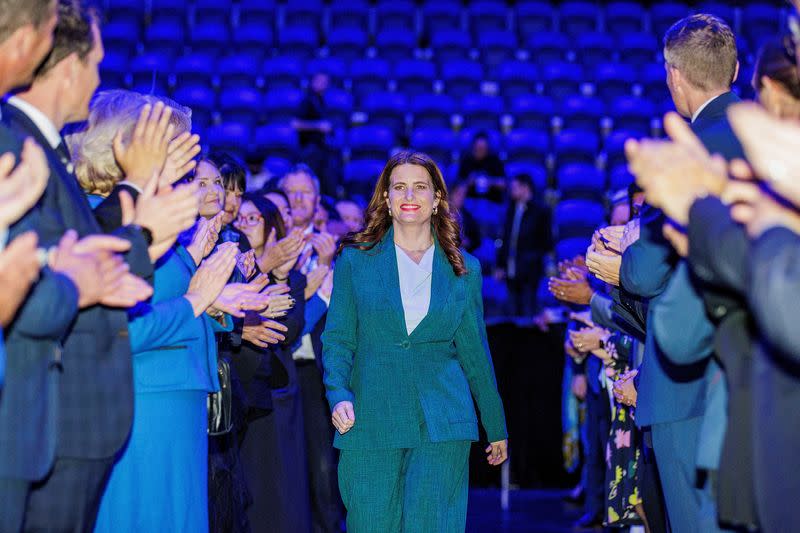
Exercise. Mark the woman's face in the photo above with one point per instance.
(411, 197)
(251, 223)
(211, 191)
(233, 201)
(283, 206)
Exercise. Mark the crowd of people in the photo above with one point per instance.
(680, 342)
(162, 355)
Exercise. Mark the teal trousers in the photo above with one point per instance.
(408, 490)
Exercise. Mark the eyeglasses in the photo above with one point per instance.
(249, 220)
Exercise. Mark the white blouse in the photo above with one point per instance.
(415, 286)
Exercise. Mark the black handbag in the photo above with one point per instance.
(220, 403)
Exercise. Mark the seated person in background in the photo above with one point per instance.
(527, 237)
(479, 166)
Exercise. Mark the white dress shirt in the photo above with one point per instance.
(702, 107)
(415, 286)
(42, 122)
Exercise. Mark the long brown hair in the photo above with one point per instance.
(378, 220)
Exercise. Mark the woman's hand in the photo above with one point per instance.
(181, 152)
(624, 389)
(247, 263)
(263, 333)
(211, 277)
(314, 280)
(146, 152)
(344, 418)
(498, 452)
(205, 237)
(278, 252)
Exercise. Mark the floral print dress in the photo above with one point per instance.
(623, 450)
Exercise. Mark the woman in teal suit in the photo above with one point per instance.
(405, 352)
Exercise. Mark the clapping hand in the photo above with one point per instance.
(314, 279)
(211, 277)
(604, 265)
(19, 268)
(21, 187)
(205, 237)
(325, 245)
(144, 156)
(278, 254)
(263, 333)
(588, 339)
(181, 152)
(246, 262)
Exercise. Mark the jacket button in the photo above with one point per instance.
(405, 345)
(720, 311)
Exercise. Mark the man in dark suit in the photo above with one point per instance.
(679, 392)
(527, 237)
(91, 394)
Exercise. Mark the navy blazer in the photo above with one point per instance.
(93, 404)
(648, 268)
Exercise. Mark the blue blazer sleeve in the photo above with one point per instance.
(49, 309)
(774, 289)
(472, 347)
(681, 309)
(315, 310)
(339, 340)
(647, 264)
(138, 257)
(295, 319)
(161, 324)
(718, 246)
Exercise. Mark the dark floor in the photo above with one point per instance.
(530, 511)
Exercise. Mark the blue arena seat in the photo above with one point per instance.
(280, 105)
(123, 34)
(577, 17)
(433, 110)
(595, 47)
(201, 99)
(339, 107)
(212, 10)
(347, 42)
(487, 15)
(395, 44)
(481, 111)
(517, 78)
(762, 21)
(562, 79)
(665, 14)
(282, 72)
(368, 76)
(414, 76)
(194, 69)
(497, 46)
(534, 17)
(450, 45)
(126, 11)
(634, 114)
(114, 69)
(577, 219)
(653, 79)
(238, 70)
(536, 171)
(165, 37)
(386, 109)
(638, 48)
(441, 15)
(612, 80)
(466, 136)
(462, 77)
(533, 112)
(721, 9)
(276, 140)
(352, 14)
(576, 146)
(548, 47)
(370, 142)
(580, 181)
(582, 113)
(276, 165)
(257, 12)
(624, 17)
(298, 41)
(527, 146)
(151, 71)
(397, 15)
(570, 248)
(172, 12)
(361, 175)
(439, 143)
(241, 104)
(619, 178)
(305, 13)
(230, 136)
(253, 39)
(334, 67)
(615, 147)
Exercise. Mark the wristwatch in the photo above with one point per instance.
(146, 233)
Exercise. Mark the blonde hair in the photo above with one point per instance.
(111, 112)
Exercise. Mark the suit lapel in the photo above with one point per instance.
(441, 289)
(390, 277)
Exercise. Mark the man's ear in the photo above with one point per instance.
(735, 73)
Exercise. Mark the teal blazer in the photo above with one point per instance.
(398, 381)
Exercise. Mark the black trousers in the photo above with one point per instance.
(327, 510)
(598, 420)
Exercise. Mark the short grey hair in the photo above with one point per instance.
(301, 168)
(703, 48)
(111, 112)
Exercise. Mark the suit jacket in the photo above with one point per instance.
(773, 297)
(94, 402)
(719, 251)
(534, 240)
(648, 268)
(397, 381)
(173, 349)
(109, 212)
